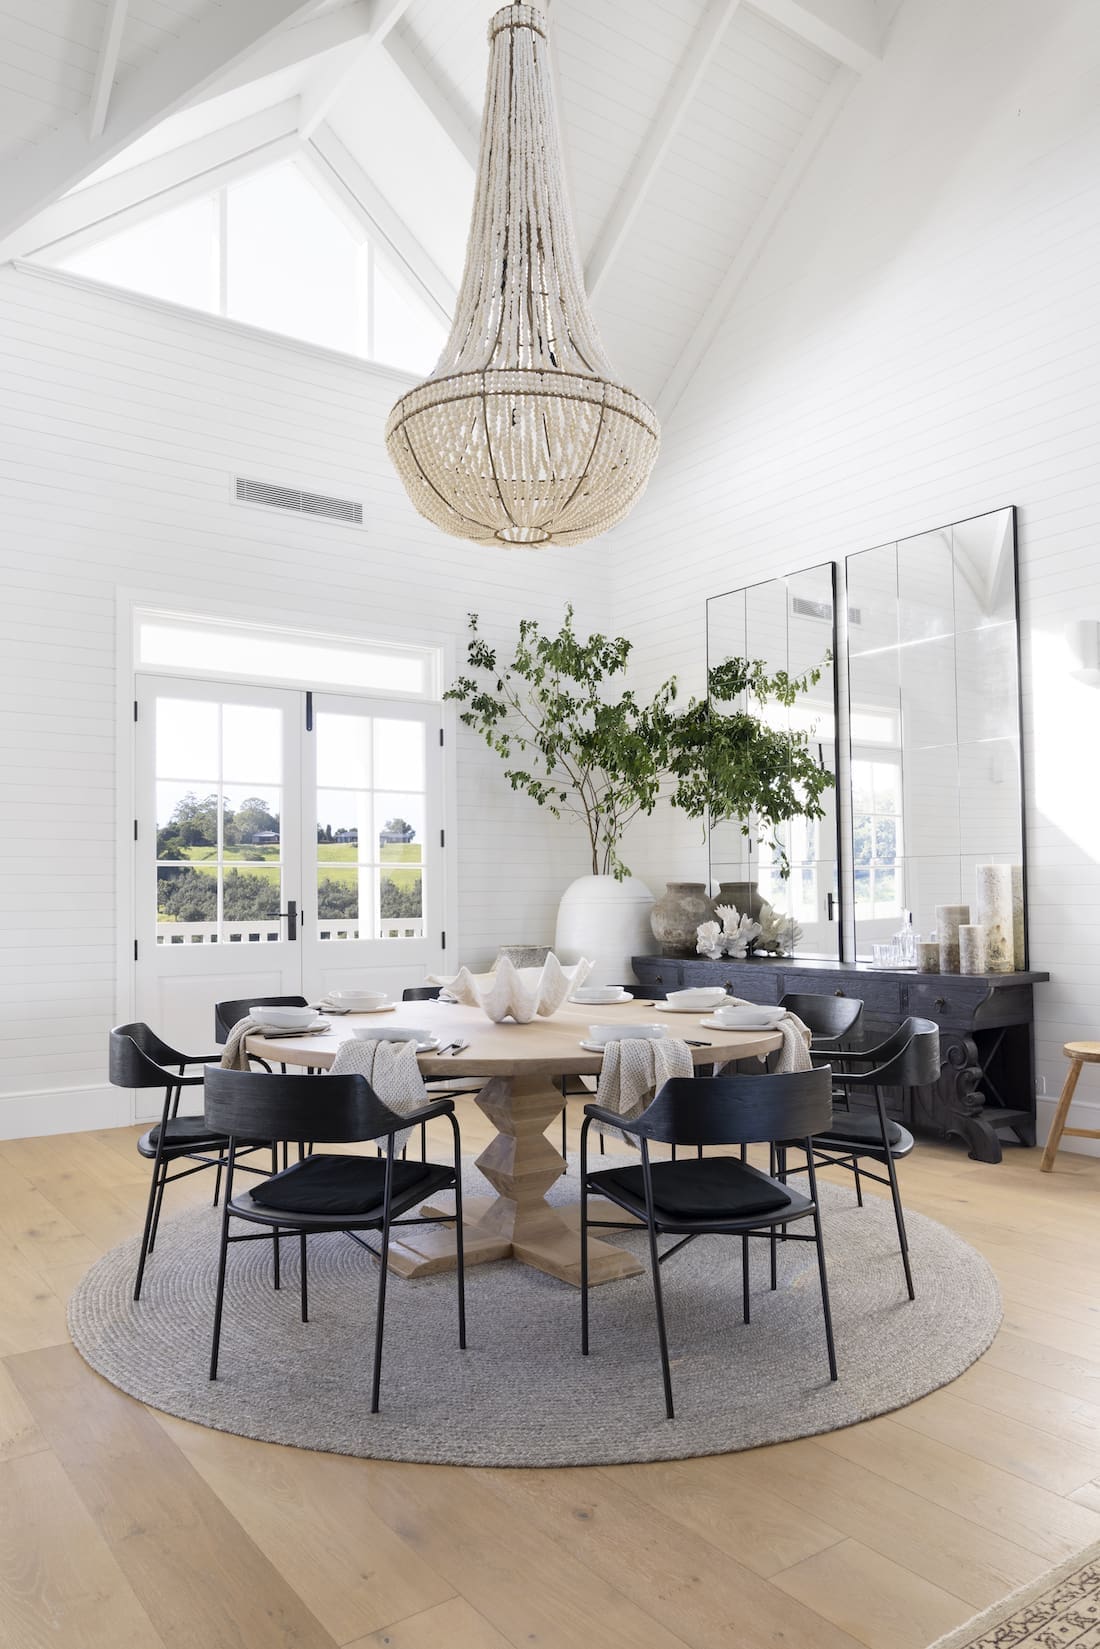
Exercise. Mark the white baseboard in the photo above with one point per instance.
(64, 1111)
(1083, 1113)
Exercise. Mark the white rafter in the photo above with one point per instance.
(140, 100)
(715, 313)
(106, 67)
(849, 30)
(338, 170)
(328, 84)
(193, 169)
(674, 106)
(457, 123)
(290, 46)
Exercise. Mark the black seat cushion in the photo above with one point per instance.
(184, 1134)
(721, 1188)
(860, 1128)
(338, 1184)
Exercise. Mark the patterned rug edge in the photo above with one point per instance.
(970, 1634)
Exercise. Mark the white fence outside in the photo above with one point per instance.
(259, 933)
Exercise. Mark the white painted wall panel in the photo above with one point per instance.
(120, 425)
(919, 342)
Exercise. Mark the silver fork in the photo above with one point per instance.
(456, 1048)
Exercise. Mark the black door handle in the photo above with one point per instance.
(291, 914)
(830, 906)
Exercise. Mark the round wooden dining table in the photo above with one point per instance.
(519, 1067)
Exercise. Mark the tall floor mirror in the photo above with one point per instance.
(933, 669)
(790, 624)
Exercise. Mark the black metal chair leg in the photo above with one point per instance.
(217, 1185)
(821, 1271)
(275, 1254)
(564, 1133)
(383, 1272)
(154, 1187)
(302, 1264)
(772, 1239)
(859, 1182)
(745, 1276)
(662, 1336)
(584, 1241)
(157, 1209)
(223, 1251)
(895, 1193)
(460, 1239)
(423, 1142)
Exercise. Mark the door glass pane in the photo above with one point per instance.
(399, 754)
(399, 827)
(219, 837)
(343, 751)
(252, 744)
(400, 903)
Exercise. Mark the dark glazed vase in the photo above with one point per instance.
(677, 914)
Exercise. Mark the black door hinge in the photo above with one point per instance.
(135, 830)
(443, 940)
(135, 950)
(135, 709)
(442, 838)
(309, 712)
(441, 735)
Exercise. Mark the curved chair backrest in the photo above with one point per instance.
(421, 993)
(824, 1016)
(137, 1057)
(263, 1105)
(228, 1014)
(909, 1058)
(739, 1110)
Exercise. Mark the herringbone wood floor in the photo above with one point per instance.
(123, 1529)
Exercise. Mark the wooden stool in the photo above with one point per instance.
(1078, 1054)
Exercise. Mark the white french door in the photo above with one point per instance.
(285, 843)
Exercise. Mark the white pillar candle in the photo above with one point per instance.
(994, 912)
(972, 947)
(1018, 946)
(949, 918)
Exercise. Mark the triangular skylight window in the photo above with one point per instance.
(272, 250)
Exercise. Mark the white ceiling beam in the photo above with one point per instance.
(455, 120)
(326, 87)
(337, 169)
(691, 356)
(674, 106)
(292, 46)
(849, 30)
(110, 45)
(140, 101)
(101, 209)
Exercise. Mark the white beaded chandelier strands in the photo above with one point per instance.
(521, 435)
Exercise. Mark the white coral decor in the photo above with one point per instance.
(518, 993)
(732, 938)
(708, 940)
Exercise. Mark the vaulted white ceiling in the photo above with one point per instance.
(686, 124)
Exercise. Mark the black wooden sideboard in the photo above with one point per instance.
(987, 1077)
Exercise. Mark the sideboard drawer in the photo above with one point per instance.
(949, 1001)
(881, 996)
(744, 979)
(658, 974)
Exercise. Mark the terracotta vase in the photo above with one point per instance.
(677, 914)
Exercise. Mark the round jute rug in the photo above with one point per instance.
(522, 1394)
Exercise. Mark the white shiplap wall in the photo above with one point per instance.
(120, 424)
(919, 342)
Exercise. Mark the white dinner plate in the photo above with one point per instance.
(314, 1029)
(759, 1024)
(382, 1007)
(615, 1002)
(397, 1034)
(678, 1007)
(601, 1047)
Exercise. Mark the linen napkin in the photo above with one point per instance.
(635, 1068)
(794, 1055)
(391, 1070)
(234, 1057)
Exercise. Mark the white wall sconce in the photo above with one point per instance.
(1083, 640)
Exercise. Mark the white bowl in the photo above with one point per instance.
(391, 1033)
(356, 1001)
(283, 1019)
(747, 1019)
(698, 996)
(594, 995)
(619, 1033)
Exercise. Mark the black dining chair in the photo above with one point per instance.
(908, 1058)
(228, 1014)
(827, 1018)
(721, 1195)
(138, 1058)
(326, 1191)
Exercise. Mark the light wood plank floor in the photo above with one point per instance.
(120, 1527)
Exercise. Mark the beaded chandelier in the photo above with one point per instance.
(521, 434)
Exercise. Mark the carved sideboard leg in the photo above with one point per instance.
(961, 1099)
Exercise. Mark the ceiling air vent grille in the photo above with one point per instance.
(273, 497)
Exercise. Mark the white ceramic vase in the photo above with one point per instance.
(607, 921)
